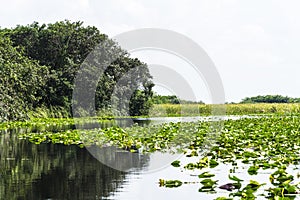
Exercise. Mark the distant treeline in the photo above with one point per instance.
(172, 99)
(39, 62)
(270, 99)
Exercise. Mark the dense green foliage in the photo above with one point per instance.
(62, 47)
(161, 99)
(21, 82)
(270, 99)
(171, 99)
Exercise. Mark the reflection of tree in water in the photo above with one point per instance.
(29, 171)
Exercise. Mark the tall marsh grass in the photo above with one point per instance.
(173, 110)
(231, 109)
(52, 112)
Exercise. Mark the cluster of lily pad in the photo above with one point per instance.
(38, 123)
(171, 137)
(261, 143)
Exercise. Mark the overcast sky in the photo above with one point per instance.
(255, 44)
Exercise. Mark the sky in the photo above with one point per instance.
(253, 44)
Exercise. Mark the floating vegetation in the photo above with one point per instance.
(39, 123)
(248, 191)
(167, 137)
(169, 183)
(205, 175)
(176, 163)
(208, 184)
(259, 143)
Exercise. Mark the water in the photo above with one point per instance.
(47, 171)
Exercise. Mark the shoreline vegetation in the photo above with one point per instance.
(185, 110)
(44, 115)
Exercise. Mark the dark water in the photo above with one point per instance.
(47, 171)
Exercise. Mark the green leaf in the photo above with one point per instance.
(234, 178)
(176, 163)
(208, 183)
(253, 170)
(169, 183)
(205, 175)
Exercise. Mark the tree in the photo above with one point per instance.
(63, 47)
(21, 82)
(172, 99)
(269, 99)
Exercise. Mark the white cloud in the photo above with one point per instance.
(83, 3)
(253, 30)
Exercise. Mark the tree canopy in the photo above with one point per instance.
(58, 50)
(172, 99)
